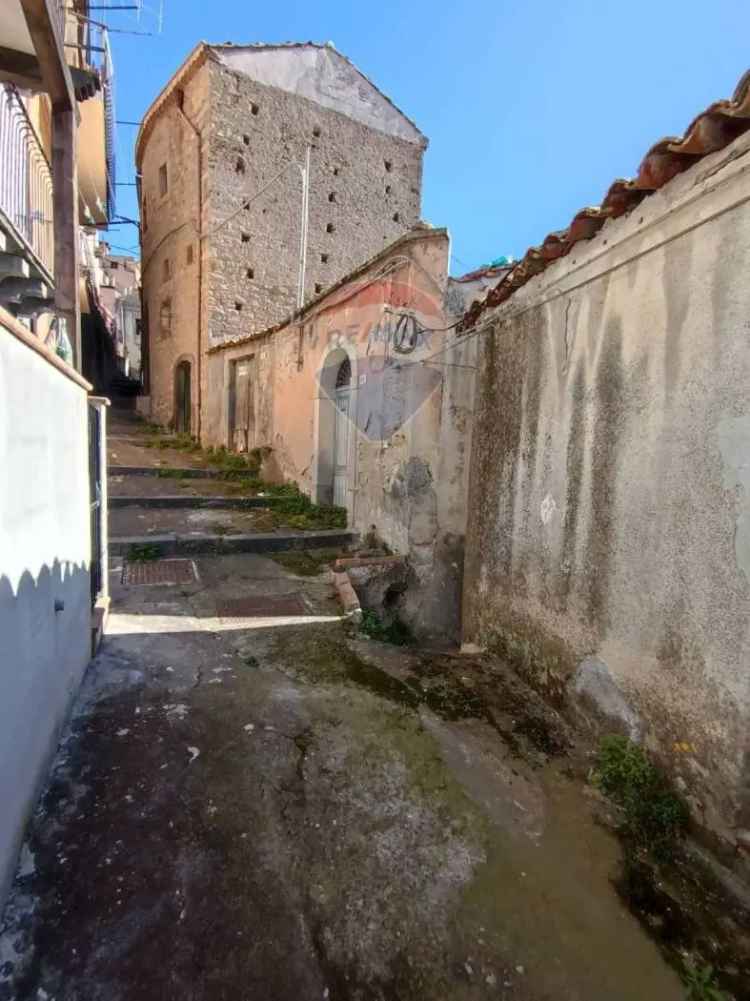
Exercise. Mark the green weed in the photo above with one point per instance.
(655, 817)
(300, 512)
(143, 552)
(395, 631)
(700, 983)
(148, 428)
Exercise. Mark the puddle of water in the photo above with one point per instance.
(551, 903)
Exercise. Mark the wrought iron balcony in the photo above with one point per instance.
(87, 48)
(26, 202)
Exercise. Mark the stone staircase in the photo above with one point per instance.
(157, 508)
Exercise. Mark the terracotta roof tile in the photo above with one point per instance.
(719, 125)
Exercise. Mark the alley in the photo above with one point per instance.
(375, 523)
(253, 801)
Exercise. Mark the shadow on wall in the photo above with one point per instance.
(99, 362)
(45, 645)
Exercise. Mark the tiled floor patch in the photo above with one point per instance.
(159, 572)
(262, 606)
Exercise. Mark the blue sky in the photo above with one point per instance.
(532, 109)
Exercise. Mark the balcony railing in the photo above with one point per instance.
(25, 180)
(87, 47)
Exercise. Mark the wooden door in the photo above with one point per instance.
(182, 398)
(242, 404)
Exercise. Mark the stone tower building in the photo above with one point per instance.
(218, 157)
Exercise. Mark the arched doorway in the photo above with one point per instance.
(182, 397)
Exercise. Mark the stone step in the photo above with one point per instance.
(186, 501)
(220, 545)
(186, 472)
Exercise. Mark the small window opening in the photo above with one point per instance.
(388, 165)
(189, 254)
(344, 374)
(165, 269)
(254, 109)
(165, 317)
(316, 132)
(318, 288)
(246, 140)
(245, 238)
(388, 189)
(239, 167)
(335, 171)
(396, 217)
(324, 258)
(238, 306)
(163, 180)
(250, 273)
(332, 197)
(330, 228)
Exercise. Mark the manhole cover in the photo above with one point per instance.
(159, 572)
(248, 608)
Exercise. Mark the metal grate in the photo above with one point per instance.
(261, 607)
(159, 572)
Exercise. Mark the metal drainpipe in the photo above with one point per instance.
(198, 358)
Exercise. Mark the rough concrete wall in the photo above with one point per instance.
(254, 259)
(609, 507)
(171, 235)
(410, 438)
(321, 74)
(44, 559)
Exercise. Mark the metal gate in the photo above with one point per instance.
(96, 513)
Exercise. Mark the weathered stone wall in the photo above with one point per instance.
(258, 132)
(609, 512)
(170, 233)
(409, 443)
(365, 184)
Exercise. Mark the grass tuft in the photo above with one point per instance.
(143, 553)
(395, 631)
(700, 983)
(300, 512)
(655, 818)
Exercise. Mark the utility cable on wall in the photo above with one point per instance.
(246, 202)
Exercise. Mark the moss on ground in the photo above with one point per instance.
(143, 552)
(306, 562)
(322, 655)
(387, 631)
